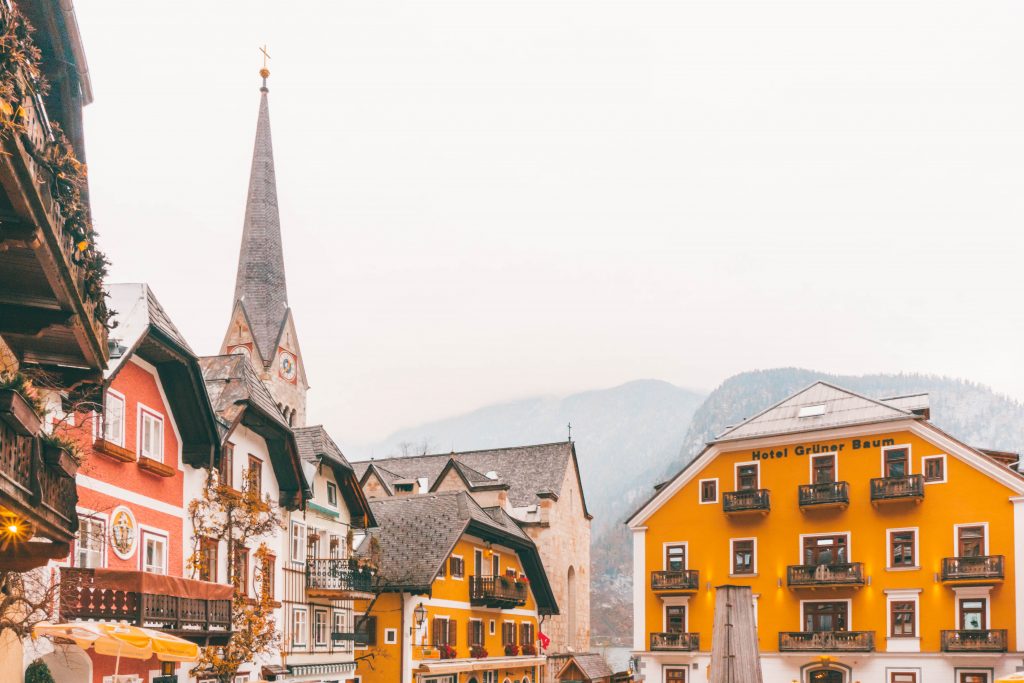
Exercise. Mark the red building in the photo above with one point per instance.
(128, 561)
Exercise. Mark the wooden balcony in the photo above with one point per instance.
(968, 570)
(684, 581)
(897, 489)
(834, 494)
(49, 309)
(840, 575)
(675, 642)
(182, 607)
(826, 641)
(739, 502)
(36, 497)
(497, 591)
(338, 579)
(981, 640)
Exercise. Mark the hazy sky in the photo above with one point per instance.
(490, 199)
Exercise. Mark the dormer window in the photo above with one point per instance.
(812, 411)
(403, 488)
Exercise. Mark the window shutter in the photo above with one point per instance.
(453, 632)
(523, 636)
(435, 638)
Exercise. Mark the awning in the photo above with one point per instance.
(135, 581)
(452, 666)
(270, 670)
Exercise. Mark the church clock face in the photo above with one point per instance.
(287, 366)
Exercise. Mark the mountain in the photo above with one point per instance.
(971, 412)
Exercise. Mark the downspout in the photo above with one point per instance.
(401, 650)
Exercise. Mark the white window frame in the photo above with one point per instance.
(736, 474)
(849, 610)
(982, 593)
(700, 491)
(326, 623)
(889, 673)
(888, 549)
(146, 534)
(676, 601)
(956, 536)
(305, 627)
(732, 556)
(896, 447)
(143, 413)
(457, 578)
(391, 636)
(810, 464)
(903, 643)
(988, 673)
(447, 628)
(119, 397)
(945, 470)
(301, 558)
(492, 627)
(338, 622)
(495, 570)
(331, 486)
(104, 521)
(849, 547)
(664, 554)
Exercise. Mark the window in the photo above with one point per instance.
(332, 494)
(444, 632)
(478, 562)
(823, 469)
(495, 564)
(743, 556)
(298, 542)
(457, 567)
(675, 676)
(903, 618)
(896, 462)
(90, 544)
(970, 541)
(313, 543)
(934, 469)
(973, 614)
(476, 632)
(255, 474)
(227, 463)
(526, 634)
(390, 636)
(491, 628)
(709, 490)
(299, 627)
(826, 616)
(154, 549)
(338, 627)
(675, 558)
(903, 677)
(747, 477)
(903, 548)
(490, 676)
(320, 628)
(152, 438)
(208, 559)
(675, 618)
(240, 577)
(113, 419)
(366, 631)
(508, 633)
(973, 677)
(403, 488)
(820, 550)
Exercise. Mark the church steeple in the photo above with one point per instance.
(261, 321)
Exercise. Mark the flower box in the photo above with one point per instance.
(530, 650)
(113, 451)
(18, 413)
(60, 460)
(478, 652)
(155, 467)
(446, 652)
(511, 650)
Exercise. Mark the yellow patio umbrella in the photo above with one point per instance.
(1012, 678)
(122, 640)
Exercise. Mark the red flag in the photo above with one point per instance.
(544, 640)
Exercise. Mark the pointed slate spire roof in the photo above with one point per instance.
(260, 284)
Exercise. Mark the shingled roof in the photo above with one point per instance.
(416, 534)
(317, 447)
(136, 312)
(591, 664)
(529, 471)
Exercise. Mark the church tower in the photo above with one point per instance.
(262, 327)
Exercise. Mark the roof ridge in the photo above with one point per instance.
(455, 453)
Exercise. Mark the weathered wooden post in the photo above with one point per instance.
(734, 653)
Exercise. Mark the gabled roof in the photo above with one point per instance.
(316, 447)
(473, 480)
(591, 664)
(145, 330)
(239, 397)
(819, 406)
(527, 470)
(416, 535)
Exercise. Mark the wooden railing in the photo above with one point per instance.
(895, 488)
(985, 567)
(826, 641)
(828, 493)
(839, 574)
(34, 490)
(683, 580)
(497, 591)
(744, 501)
(199, 620)
(336, 574)
(980, 640)
(681, 642)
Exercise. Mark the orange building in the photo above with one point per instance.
(877, 547)
(462, 595)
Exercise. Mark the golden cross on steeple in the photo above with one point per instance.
(264, 72)
(266, 56)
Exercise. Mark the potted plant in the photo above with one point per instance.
(511, 650)
(61, 454)
(530, 649)
(446, 651)
(478, 652)
(20, 407)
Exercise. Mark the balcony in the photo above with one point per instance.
(37, 497)
(840, 575)
(497, 591)
(51, 298)
(195, 610)
(833, 494)
(675, 642)
(756, 501)
(685, 581)
(898, 489)
(338, 579)
(968, 570)
(826, 641)
(982, 640)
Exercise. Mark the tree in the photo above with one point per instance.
(238, 518)
(38, 672)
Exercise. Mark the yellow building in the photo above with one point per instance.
(462, 595)
(877, 547)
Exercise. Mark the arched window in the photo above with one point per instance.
(571, 615)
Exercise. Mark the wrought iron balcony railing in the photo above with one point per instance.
(336, 577)
(757, 500)
(973, 569)
(681, 581)
(812, 575)
(680, 642)
(910, 487)
(826, 641)
(828, 494)
(980, 640)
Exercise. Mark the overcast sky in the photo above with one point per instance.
(491, 199)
